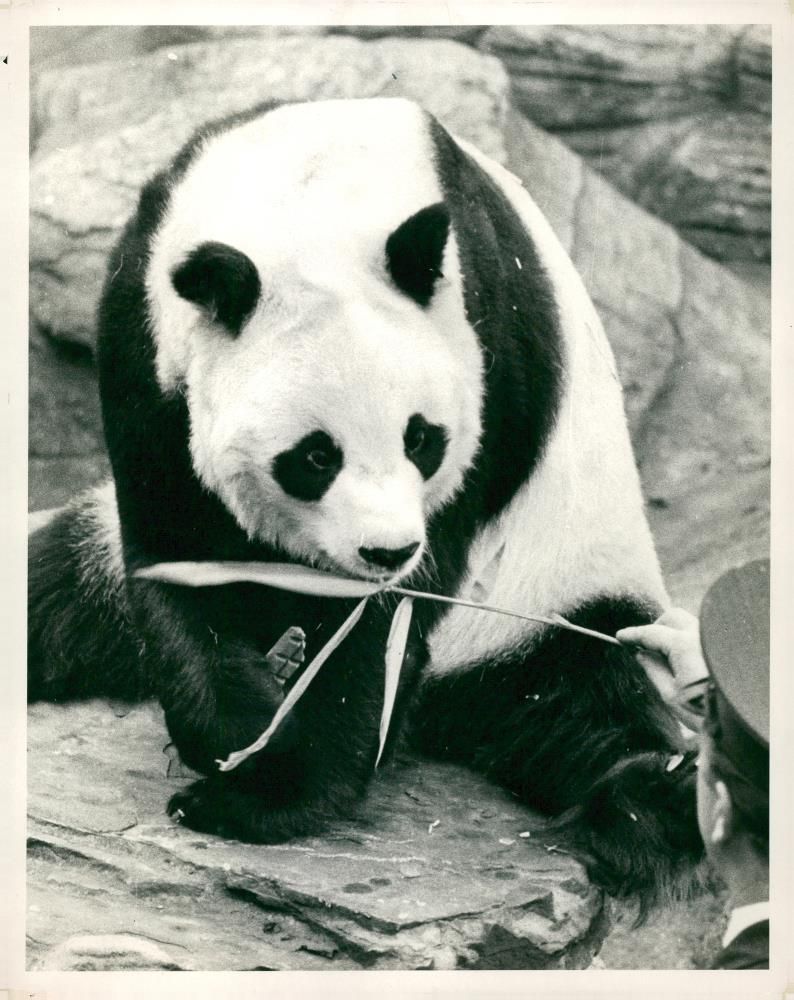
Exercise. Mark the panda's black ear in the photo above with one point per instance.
(414, 252)
(221, 280)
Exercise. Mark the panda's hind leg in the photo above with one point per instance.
(575, 728)
(80, 641)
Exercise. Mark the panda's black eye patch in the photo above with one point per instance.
(425, 445)
(222, 281)
(307, 469)
(415, 250)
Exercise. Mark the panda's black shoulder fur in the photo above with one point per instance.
(201, 650)
(504, 283)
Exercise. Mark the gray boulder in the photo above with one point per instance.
(677, 117)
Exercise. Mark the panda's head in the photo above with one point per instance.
(305, 296)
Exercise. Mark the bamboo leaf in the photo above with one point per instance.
(316, 583)
(395, 653)
(295, 693)
(286, 576)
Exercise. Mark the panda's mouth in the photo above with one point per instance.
(361, 571)
(385, 578)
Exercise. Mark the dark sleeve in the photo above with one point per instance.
(750, 950)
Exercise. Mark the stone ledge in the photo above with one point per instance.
(435, 871)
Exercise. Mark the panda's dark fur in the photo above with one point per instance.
(569, 723)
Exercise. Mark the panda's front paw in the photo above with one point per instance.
(194, 807)
(219, 805)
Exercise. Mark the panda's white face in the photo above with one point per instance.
(333, 431)
(333, 386)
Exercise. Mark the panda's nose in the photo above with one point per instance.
(388, 558)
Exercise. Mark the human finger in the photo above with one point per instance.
(656, 637)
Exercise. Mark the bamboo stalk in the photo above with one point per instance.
(554, 619)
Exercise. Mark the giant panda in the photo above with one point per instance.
(333, 334)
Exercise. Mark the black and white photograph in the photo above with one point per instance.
(399, 462)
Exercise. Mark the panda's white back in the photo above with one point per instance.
(577, 530)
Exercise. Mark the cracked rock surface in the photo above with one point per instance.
(439, 870)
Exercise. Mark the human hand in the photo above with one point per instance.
(668, 650)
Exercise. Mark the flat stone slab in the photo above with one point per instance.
(439, 870)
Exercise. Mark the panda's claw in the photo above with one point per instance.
(186, 808)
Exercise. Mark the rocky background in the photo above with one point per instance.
(648, 149)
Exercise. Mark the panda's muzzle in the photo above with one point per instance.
(390, 559)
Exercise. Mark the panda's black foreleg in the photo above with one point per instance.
(219, 696)
(575, 728)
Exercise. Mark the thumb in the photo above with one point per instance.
(654, 638)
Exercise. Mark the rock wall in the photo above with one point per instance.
(677, 117)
